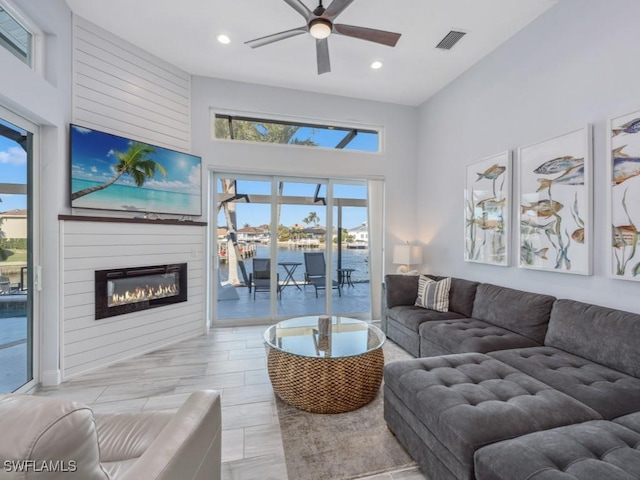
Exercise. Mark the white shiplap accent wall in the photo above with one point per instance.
(121, 89)
(88, 246)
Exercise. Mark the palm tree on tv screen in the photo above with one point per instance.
(133, 162)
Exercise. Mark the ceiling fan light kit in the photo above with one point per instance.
(320, 28)
(320, 24)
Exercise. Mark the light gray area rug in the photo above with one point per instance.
(341, 446)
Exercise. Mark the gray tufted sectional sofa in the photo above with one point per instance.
(556, 396)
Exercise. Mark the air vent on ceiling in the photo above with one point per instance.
(450, 40)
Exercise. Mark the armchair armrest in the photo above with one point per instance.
(123, 436)
(189, 445)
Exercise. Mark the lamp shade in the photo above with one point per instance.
(407, 254)
(401, 254)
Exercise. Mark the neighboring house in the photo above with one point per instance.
(14, 224)
(252, 234)
(360, 233)
(317, 233)
(222, 232)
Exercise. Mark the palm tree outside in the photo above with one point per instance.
(312, 218)
(257, 132)
(133, 162)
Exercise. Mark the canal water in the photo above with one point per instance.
(351, 258)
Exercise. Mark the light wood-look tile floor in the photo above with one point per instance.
(231, 360)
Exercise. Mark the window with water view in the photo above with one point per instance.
(275, 240)
(15, 258)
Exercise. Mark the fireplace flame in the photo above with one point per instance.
(140, 294)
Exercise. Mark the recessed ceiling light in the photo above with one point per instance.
(224, 39)
(376, 65)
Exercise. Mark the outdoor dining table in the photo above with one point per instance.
(290, 268)
(344, 276)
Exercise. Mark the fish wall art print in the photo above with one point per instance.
(486, 218)
(624, 195)
(554, 210)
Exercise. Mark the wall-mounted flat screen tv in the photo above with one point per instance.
(109, 172)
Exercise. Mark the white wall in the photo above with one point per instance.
(121, 89)
(396, 163)
(574, 65)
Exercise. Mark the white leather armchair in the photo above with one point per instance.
(48, 438)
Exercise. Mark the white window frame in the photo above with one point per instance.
(37, 36)
(309, 122)
(33, 128)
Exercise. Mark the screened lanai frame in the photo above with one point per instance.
(323, 196)
(335, 136)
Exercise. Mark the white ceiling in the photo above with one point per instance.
(184, 33)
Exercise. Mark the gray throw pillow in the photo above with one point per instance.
(433, 295)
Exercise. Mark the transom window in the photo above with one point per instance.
(232, 127)
(15, 37)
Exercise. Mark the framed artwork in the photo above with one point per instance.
(554, 208)
(624, 195)
(487, 197)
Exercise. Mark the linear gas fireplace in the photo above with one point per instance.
(126, 290)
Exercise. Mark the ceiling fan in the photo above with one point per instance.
(320, 24)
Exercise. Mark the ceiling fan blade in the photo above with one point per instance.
(322, 52)
(300, 7)
(336, 8)
(259, 42)
(372, 35)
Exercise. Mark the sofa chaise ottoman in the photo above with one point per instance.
(447, 409)
(442, 409)
(596, 450)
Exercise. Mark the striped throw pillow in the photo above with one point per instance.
(433, 295)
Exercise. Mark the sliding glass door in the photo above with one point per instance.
(16, 252)
(351, 246)
(242, 246)
(302, 244)
(287, 247)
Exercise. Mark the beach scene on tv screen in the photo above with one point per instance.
(109, 172)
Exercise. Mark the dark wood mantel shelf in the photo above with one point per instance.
(160, 221)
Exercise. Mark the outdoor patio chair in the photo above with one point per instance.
(260, 278)
(315, 273)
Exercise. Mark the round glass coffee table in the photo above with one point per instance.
(325, 368)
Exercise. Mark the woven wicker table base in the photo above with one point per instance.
(326, 385)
